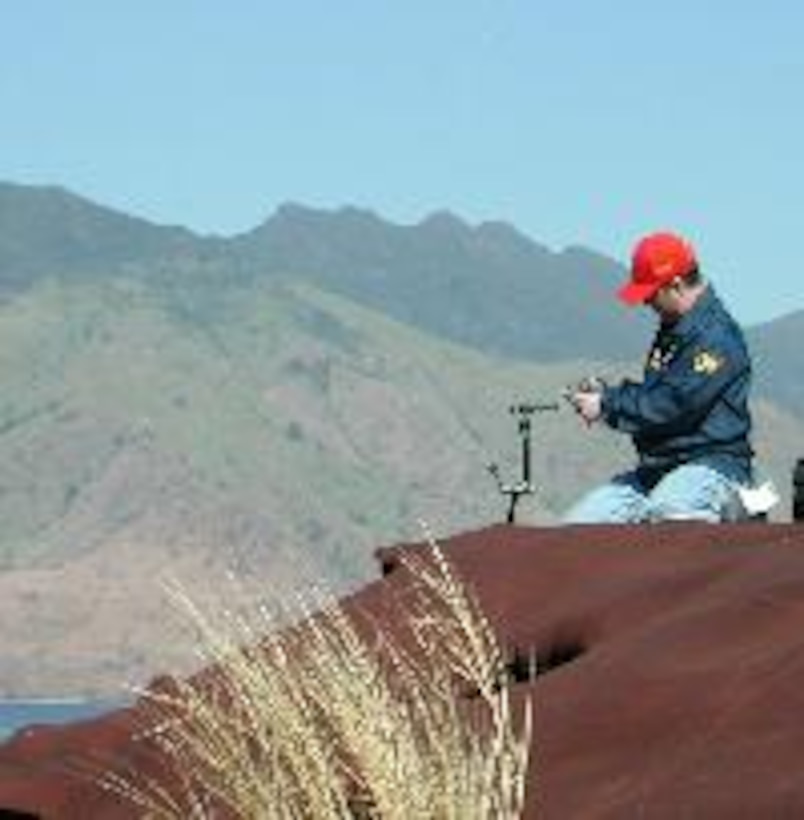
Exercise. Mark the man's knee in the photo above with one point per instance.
(677, 510)
(614, 503)
(692, 493)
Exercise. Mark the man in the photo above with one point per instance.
(688, 417)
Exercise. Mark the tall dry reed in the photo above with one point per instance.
(331, 719)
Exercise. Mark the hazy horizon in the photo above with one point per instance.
(578, 125)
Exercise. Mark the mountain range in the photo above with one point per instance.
(280, 403)
(506, 294)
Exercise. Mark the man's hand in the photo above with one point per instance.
(587, 403)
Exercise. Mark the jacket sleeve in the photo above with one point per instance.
(675, 398)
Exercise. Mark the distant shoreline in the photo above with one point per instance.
(17, 713)
(48, 701)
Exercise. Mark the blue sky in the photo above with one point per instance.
(579, 122)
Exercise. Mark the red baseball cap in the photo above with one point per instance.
(657, 260)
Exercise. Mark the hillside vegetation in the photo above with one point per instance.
(286, 437)
(120, 406)
(194, 405)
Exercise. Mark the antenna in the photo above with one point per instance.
(524, 486)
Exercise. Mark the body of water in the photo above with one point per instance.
(16, 714)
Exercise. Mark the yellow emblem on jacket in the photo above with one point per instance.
(706, 363)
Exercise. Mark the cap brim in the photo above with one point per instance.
(636, 294)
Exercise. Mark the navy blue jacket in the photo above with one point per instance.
(692, 404)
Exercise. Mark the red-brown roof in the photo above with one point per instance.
(672, 685)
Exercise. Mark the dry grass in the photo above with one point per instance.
(329, 720)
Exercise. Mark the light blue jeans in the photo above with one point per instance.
(692, 492)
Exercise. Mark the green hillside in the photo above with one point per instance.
(310, 418)
(281, 432)
(276, 430)
(190, 412)
(315, 419)
(778, 373)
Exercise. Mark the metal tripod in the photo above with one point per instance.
(524, 486)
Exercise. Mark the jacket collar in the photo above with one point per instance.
(694, 318)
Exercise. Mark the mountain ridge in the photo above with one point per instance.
(413, 273)
(487, 286)
(198, 409)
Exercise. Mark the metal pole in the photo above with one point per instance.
(524, 485)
